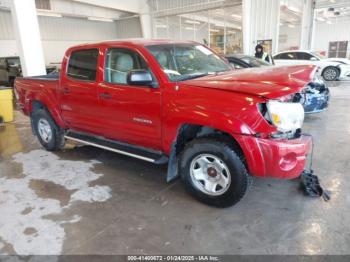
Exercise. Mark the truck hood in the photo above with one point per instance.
(268, 82)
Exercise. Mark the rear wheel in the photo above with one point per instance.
(49, 134)
(330, 73)
(213, 172)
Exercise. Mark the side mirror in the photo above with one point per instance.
(313, 58)
(140, 77)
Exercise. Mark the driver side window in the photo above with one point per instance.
(119, 62)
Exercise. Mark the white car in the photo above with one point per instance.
(331, 69)
(344, 67)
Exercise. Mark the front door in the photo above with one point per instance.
(131, 113)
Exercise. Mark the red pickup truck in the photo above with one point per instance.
(177, 103)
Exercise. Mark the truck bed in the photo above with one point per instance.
(37, 88)
(52, 76)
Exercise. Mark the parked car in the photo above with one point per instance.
(314, 97)
(330, 69)
(10, 68)
(245, 61)
(177, 103)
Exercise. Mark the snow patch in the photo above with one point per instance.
(92, 194)
(16, 196)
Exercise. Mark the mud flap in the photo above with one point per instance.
(32, 125)
(172, 165)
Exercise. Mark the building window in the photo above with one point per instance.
(219, 28)
(43, 4)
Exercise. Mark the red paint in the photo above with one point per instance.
(226, 101)
(275, 158)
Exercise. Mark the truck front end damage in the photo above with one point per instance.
(278, 158)
(283, 152)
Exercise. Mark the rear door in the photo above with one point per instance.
(78, 91)
(130, 113)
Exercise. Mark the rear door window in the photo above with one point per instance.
(291, 56)
(83, 65)
(304, 56)
(286, 56)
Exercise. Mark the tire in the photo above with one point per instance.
(330, 73)
(43, 124)
(200, 165)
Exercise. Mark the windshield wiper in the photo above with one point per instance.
(192, 76)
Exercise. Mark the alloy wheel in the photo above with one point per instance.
(44, 130)
(210, 174)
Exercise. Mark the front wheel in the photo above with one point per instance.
(330, 73)
(49, 134)
(213, 172)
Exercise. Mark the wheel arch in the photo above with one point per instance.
(188, 132)
(39, 104)
(39, 113)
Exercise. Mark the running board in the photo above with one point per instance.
(148, 155)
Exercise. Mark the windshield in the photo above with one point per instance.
(13, 61)
(187, 61)
(254, 61)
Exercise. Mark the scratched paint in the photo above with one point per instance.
(24, 221)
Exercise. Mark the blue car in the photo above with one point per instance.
(314, 97)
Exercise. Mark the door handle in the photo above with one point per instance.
(105, 95)
(66, 91)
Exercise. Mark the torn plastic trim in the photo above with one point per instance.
(309, 183)
(311, 186)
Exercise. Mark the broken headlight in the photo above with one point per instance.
(285, 116)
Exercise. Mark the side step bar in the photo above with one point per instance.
(148, 155)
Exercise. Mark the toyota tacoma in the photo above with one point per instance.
(178, 103)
